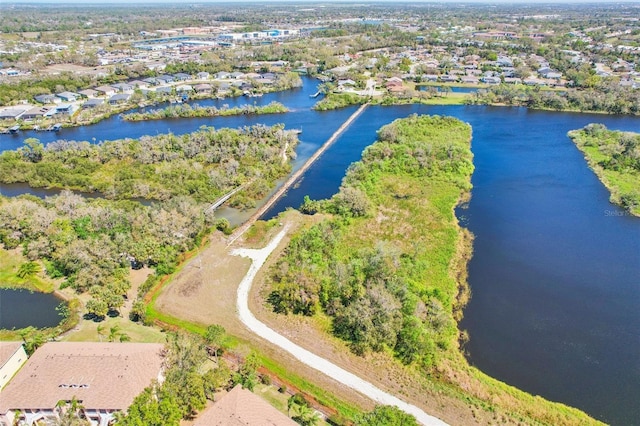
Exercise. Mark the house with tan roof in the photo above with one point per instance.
(241, 407)
(12, 357)
(103, 378)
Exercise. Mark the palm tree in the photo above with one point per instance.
(114, 332)
(101, 331)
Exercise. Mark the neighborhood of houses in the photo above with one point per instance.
(103, 379)
(64, 104)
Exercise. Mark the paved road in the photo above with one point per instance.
(258, 257)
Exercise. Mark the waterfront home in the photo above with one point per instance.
(103, 377)
(14, 112)
(164, 90)
(12, 357)
(242, 407)
(38, 112)
(203, 88)
(184, 88)
(119, 98)
(66, 109)
(92, 103)
(491, 80)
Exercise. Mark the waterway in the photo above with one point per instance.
(21, 308)
(555, 269)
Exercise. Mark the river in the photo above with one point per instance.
(555, 270)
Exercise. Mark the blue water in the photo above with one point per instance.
(556, 267)
(21, 308)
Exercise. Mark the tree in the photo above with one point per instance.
(153, 407)
(306, 416)
(386, 415)
(33, 339)
(215, 337)
(72, 414)
(28, 269)
(247, 375)
(97, 307)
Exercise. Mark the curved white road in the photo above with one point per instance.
(258, 257)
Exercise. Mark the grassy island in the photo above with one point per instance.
(614, 156)
(196, 111)
(385, 271)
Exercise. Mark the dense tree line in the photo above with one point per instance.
(383, 285)
(203, 165)
(188, 111)
(615, 157)
(610, 98)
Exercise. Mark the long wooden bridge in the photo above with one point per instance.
(295, 176)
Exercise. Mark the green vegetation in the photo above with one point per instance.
(189, 381)
(388, 416)
(615, 157)
(609, 98)
(94, 243)
(203, 165)
(382, 288)
(187, 111)
(13, 273)
(339, 100)
(389, 267)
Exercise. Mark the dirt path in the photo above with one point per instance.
(259, 257)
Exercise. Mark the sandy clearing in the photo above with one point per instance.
(259, 257)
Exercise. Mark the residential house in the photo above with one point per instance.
(470, 79)
(14, 112)
(151, 81)
(222, 75)
(203, 75)
(47, 99)
(122, 87)
(242, 407)
(237, 75)
(66, 109)
(88, 93)
(165, 79)
(181, 76)
(449, 78)
(105, 90)
(164, 90)
(104, 377)
(37, 112)
(92, 103)
(139, 84)
(12, 357)
(491, 80)
(184, 88)
(203, 88)
(68, 96)
(119, 98)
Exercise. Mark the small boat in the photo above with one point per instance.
(14, 129)
(56, 127)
